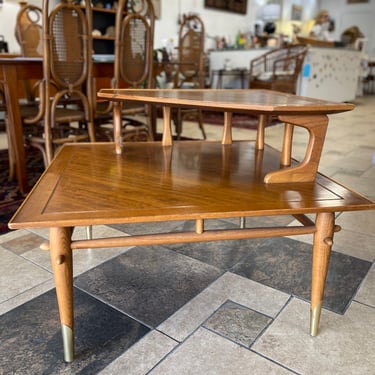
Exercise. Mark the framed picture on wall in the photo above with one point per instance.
(357, 1)
(236, 6)
(296, 13)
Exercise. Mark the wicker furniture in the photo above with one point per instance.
(28, 30)
(66, 94)
(278, 69)
(133, 67)
(13, 71)
(190, 68)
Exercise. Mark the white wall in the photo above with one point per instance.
(8, 15)
(226, 24)
(217, 23)
(346, 15)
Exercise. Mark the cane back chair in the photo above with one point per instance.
(133, 66)
(28, 30)
(278, 69)
(190, 68)
(28, 33)
(67, 77)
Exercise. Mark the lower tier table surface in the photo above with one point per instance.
(91, 184)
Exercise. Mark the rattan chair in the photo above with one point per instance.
(28, 31)
(67, 77)
(278, 69)
(190, 68)
(134, 39)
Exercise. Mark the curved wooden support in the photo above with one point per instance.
(323, 241)
(62, 265)
(306, 170)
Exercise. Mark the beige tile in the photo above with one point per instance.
(26, 295)
(24, 243)
(14, 234)
(142, 356)
(347, 242)
(343, 346)
(18, 275)
(209, 354)
(84, 259)
(366, 293)
(232, 287)
(358, 221)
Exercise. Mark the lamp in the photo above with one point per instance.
(269, 13)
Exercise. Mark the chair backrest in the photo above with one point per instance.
(135, 24)
(278, 68)
(287, 58)
(68, 43)
(28, 30)
(191, 57)
(67, 62)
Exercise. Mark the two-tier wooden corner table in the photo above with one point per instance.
(109, 183)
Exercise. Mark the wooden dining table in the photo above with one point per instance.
(139, 182)
(13, 72)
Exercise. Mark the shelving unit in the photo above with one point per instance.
(104, 16)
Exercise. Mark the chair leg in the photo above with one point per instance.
(178, 123)
(12, 169)
(201, 126)
(323, 240)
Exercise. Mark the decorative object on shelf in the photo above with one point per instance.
(110, 31)
(96, 32)
(268, 14)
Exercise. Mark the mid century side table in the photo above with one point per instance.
(109, 183)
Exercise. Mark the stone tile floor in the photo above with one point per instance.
(236, 307)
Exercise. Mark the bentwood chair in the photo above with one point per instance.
(190, 68)
(278, 69)
(28, 31)
(67, 77)
(133, 68)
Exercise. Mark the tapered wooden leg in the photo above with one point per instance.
(167, 134)
(323, 241)
(117, 124)
(259, 143)
(62, 265)
(227, 130)
(286, 153)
